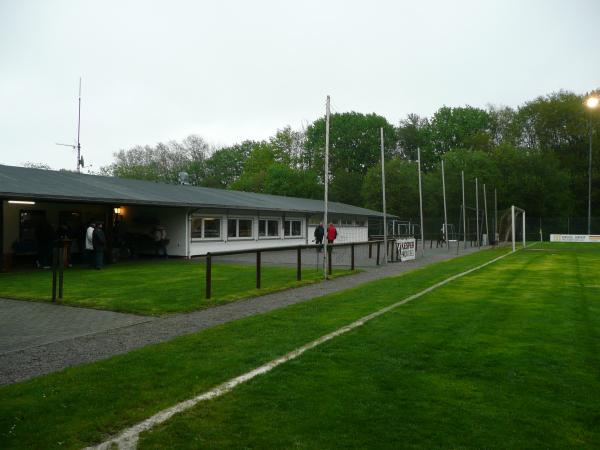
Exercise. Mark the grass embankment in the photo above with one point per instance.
(505, 357)
(155, 287)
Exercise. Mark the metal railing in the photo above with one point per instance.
(298, 248)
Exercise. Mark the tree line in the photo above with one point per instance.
(535, 156)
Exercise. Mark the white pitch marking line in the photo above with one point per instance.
(128, 438)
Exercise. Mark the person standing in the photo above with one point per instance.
(99, 241)
(161, 241)
(319, 233)
(331, 234)
(89, 244)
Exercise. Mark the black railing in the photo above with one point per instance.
(330, 249)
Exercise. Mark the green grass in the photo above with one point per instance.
(155, 287)
(505, 357)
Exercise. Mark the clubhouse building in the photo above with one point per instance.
(196, 220)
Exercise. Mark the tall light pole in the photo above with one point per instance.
(326, 179)
(421, 203)
(385, 242)
(591, 102)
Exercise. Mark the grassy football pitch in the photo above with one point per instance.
(507, 356)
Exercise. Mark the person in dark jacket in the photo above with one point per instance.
(331, 233)
(319, 233)
(99, 241)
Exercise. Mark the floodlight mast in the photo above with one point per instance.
(445, 230)
(326, 224)
(591, 102)
(421, 203)
(385, 242)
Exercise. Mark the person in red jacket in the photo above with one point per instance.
(331, 233)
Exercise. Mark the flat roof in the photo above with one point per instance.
(51, 185)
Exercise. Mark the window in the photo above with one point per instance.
(361, 223)
(239, 228)
(268, 228)
(206, 228)
(292, 228)
(315, 219)
(347, 221)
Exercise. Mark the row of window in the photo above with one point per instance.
(210, 228)
(338, 221)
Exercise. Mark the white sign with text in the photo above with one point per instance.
(407, 249)
(575, 238)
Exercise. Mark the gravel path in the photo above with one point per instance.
(134, 332)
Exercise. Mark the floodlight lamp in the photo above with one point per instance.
(117, 210)
(592, 102)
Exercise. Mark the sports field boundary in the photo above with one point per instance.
(128, 438)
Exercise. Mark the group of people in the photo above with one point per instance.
(320, 234)
(95, 242)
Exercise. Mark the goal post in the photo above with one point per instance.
(514, 224)
(511, 227)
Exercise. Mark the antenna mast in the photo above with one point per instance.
(79, 160)
(78, 145)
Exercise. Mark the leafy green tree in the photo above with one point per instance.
(288, 146)
(226, 165)
(558, 124)
(256, 166)
(354, 143)
(464, 127)
(413, 133)
(534, 180)
(402, 189)
(284, 180)
(354, 148)
(162, 162)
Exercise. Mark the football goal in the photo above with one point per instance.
(511, 228)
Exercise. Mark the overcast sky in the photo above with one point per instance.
(228, 71)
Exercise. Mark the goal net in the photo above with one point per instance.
(511, 227)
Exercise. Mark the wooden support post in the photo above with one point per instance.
(208, 275)
(258, 270)
(54, 270)
(329, 252)
(299, 262)
(378, 251)
(61, 268)
(370, 250)
(351, 256)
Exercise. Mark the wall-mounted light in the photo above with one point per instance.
(117, 210)
(21, 202)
